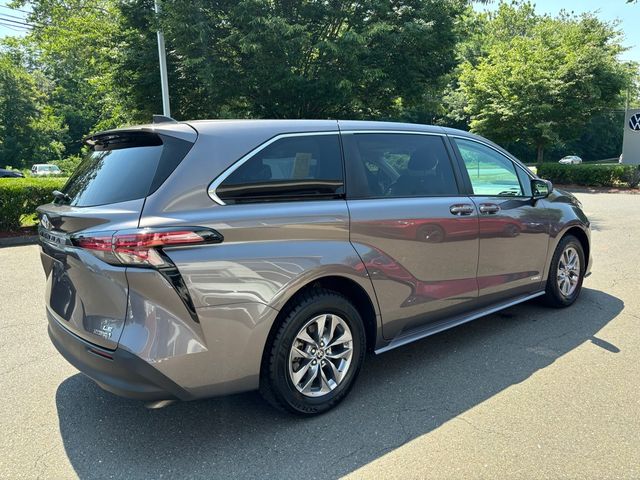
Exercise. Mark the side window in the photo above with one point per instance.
(306, 167)
(397, 165)
(491, 173)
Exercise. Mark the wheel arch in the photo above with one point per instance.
(580, 234)
(348, 287)
(578, 231)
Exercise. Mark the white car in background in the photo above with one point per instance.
(42, 169)
(570, 160)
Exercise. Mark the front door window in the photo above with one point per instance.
(491, 173)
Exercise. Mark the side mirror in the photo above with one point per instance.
(541, 188)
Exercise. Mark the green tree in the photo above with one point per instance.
(76, 44)
(294, 58)
(30, 132)
(537, 79)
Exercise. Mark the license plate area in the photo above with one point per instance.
(86, 295)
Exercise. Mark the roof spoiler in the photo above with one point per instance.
(108, 136)
(163, 119)
(112, 139)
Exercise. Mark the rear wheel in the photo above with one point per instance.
(316, 354)
(566, 273)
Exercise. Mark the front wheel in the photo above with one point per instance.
(566, 273)
(316, 354)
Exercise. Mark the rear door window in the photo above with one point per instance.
(124, 167)
(299, 167)
(398, 165)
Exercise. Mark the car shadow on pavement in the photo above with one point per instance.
(400, 395)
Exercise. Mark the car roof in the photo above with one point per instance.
(277, 126)
(272, 127)
(292, 126)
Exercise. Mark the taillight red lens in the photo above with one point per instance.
(156, 239)
(95, 243)
(142, 248)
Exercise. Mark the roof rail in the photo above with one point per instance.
(163, 119)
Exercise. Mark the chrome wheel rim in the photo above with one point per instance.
(320, 356)
(568, 273)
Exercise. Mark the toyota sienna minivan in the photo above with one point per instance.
(192, 259)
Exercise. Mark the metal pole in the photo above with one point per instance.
(164, 80)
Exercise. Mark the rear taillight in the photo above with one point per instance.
(143, 248)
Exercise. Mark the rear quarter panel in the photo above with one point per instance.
(270, 252)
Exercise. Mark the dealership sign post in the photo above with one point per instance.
(631, 141)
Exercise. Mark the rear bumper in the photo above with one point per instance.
(117, 371)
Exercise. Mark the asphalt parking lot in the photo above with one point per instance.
(527, 393)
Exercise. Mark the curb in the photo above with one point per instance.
(18, 241)
(610, 190)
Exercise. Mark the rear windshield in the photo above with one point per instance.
(124, 167)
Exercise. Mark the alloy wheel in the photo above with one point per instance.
(568, 274)
(321, 355)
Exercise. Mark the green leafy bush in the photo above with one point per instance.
(20, 197)
(632, 177)
(614, 175)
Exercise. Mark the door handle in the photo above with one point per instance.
(461, 209)
(489, 208)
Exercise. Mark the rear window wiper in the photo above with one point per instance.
(58, 195)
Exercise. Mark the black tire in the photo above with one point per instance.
(553, 296)
(276, 385)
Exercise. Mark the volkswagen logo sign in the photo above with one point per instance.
(45, 222)
(634, 122)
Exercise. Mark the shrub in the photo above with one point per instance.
(21, 196)
(632, 177)
(613, 175)
(69, 164)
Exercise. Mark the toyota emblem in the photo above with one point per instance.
(45, 222)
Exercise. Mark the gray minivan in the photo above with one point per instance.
(191, 259)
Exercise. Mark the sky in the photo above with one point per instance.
(11, 20)
(628, 14)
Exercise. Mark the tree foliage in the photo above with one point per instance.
(76, 44)
(538, 79)
(521, 79)
(295, 59)
(29, 126)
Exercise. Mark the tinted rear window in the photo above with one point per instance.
(398, 165)
(306, 167)
(124, 167)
